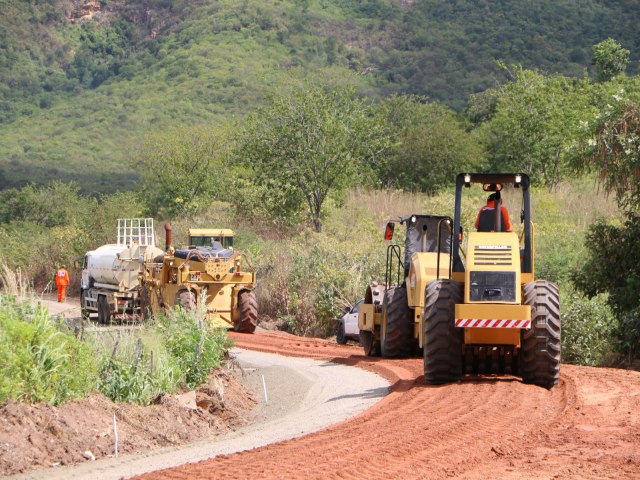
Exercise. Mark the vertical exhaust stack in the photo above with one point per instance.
(168, 236)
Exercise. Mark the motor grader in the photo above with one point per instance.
(208, 270)
(486, 313)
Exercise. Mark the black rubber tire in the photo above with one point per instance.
(442, 340)
(396, 331)
(248, 307)
(104, 316)
(341, 337)
(540, 349)
(369, 343)
(83, 306)
(186, 299)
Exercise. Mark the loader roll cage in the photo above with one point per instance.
(517, 180)
(419, 239)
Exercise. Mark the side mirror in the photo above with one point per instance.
(388, 232)
(460, 234)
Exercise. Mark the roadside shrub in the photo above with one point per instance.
(38, 361)
(192, 344)
(175, 352)
(588, 327)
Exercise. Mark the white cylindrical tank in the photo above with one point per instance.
(118, 265)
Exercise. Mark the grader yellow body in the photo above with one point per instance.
(207, 271)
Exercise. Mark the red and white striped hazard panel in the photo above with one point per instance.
(491, 323)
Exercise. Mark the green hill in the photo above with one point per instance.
(81, 83)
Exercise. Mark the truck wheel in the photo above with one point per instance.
(186, 299)
(540, 351)
(396, 331)
(341, 337)
(369, 343)
(248, 307)
(442, 340)
(83, 305)
(104, 316)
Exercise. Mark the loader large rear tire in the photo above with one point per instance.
(396, 331)
(369, 343)
(248, 306)
(540, 351)
(442, 340)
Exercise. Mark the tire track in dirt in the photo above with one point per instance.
(483, 427)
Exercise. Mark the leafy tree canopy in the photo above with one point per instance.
(183, 169)
(610, 59)
(311, 141)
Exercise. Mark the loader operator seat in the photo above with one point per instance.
(487, 219)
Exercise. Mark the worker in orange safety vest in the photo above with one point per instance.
(62, 281)
(484, 221)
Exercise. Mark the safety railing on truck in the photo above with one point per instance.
(136, 230)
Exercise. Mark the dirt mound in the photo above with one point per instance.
(33, 436)
(483, 427)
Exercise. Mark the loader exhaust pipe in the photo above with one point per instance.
(168, 236)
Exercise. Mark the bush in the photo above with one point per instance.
(39, 362)
(588, 327)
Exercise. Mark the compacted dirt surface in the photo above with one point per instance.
(588, 426)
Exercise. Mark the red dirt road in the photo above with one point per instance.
(588, 426)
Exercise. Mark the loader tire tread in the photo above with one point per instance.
(248, 307)
(442, 340)
(540, 351)
(397, 326)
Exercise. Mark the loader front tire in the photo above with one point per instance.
(248, 307)
(442, 340)
(540, 351)
(369, 343)
(396, 331)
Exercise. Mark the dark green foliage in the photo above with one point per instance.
(611, 267)
(588, 327)
(610, 59)
(38, 361)
(310, 141)
(431, 145)
(81, 95)
(41, 227)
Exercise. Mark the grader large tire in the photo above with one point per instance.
(442, 340)
(186, 299)
(369, 343)
(248, 306)
(540, 351)
(396, 331)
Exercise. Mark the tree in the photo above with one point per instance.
(610, 142)
(536, 125)
(183, 170)
(430, 146)
(309, 142)
(610, 59)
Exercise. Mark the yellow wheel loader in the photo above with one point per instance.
(492, 315)
(390, 318)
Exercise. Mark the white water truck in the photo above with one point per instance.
(110, 274)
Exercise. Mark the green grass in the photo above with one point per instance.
(42, 360)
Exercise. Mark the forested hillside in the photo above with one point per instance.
(83, 82)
